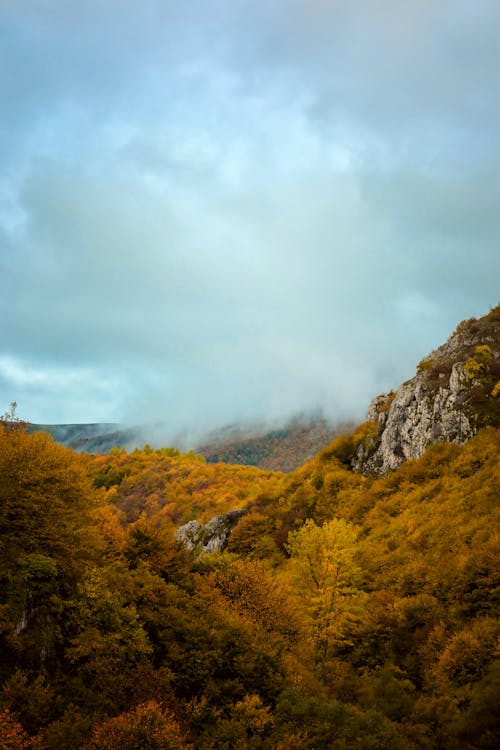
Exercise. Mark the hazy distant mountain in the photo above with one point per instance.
(281, 448)
(96, 437)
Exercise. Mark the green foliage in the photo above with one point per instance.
(326, 723)
(46, 500)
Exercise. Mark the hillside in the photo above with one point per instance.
(344, 609)
(96, 437)
(282, 448)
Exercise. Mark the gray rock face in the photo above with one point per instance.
(416, 418)
(211, 537)
(437, 404)
(190, 535)
(376, 411)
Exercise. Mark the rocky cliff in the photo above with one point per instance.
(211, 537)
(455, 391)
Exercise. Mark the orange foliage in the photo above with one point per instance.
(178, 488)
(149, 726)
(13, 736)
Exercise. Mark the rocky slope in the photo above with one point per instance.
(455, 391)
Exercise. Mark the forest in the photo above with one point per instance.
(346, 612)
(251, 497)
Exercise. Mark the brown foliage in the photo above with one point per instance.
(149, 726)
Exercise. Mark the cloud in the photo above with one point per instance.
(240, 210)
(66, 389)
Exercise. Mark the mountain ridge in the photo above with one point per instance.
(278, 448)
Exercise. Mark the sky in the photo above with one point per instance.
(230, 210)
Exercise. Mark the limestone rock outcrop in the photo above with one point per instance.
(211, 537)
(445, 401)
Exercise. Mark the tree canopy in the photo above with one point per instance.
(347, 611)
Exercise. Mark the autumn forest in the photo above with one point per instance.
(348, 610)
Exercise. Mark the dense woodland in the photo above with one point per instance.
(346, 612)
(280, 449)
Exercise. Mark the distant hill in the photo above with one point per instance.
(282, 448)
(95, 437)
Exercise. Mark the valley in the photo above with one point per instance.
(152, 598)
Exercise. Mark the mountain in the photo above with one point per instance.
(282, 448)
(454, 393)
(94, 437)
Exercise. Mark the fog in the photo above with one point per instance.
(229, 211)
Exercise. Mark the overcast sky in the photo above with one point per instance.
(230, 209)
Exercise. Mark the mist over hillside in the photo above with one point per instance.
(281, 447)
(152, 598)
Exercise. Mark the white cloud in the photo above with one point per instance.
(276, 207)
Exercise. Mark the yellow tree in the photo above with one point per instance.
(323, 565)
(46, 540)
